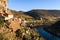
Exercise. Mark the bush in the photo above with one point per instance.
(2, 37)
(18, 32)
(1, 20)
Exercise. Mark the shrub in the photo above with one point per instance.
(1, 20)
(2, 37)
(18, 32)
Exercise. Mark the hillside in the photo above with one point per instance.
(12, 30)
(39, 13)
(36, 13)
(54, 29)
(20, 14)
(48, 16)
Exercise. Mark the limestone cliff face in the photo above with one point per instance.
(3, 5)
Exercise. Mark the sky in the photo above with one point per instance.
(26, 5)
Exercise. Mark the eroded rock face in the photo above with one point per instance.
(3, 5)
(19, 33)
(24, 33)
(14, 24)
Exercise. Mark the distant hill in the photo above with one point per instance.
(47, 15)
(38, 13)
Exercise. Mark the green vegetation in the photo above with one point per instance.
(25, 33)
(2, 37)
(1, 20)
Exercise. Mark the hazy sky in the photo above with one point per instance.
(26, 5)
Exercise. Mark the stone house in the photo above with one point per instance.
(9, 17)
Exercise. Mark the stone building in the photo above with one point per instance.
(3, 5)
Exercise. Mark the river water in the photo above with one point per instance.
(46, 34)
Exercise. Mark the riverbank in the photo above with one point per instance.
(46, 34)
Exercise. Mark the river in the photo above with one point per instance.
(46, 34)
